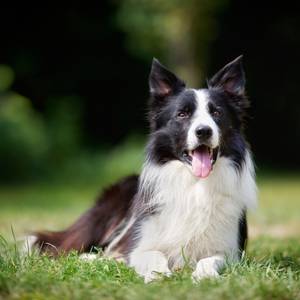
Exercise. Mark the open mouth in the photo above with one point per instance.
(201, 159)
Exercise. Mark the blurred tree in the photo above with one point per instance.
(23, 144)
(58, 52)
(31, 145)
(177, 32)
(6, 77)
(64, 128)
(268, 36)
(83, 70)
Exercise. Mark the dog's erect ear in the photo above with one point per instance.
(163, 82)
(231, 78)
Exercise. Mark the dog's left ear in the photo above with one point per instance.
(162, 82)
(231, 78)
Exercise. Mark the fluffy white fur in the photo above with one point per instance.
(197, 219)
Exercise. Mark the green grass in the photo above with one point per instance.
(269, 270)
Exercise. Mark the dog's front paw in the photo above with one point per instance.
(151, 265)
(207, 267)
(204, 272)
(155, 275)
(88, 256)
(156, 271)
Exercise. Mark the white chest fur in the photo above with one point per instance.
(197, 217)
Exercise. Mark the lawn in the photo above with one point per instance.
(269, 270)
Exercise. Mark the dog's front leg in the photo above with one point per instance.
(208, 267)
(150, 264)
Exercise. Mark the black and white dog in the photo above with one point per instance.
(197, 182)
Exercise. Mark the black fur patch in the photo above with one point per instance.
(243, 233)
(168, 138)
(230, 123)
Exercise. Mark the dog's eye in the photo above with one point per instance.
(216, 113)
(183, 114)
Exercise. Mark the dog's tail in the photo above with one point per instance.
(97, 226)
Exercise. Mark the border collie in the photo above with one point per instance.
(197, 182)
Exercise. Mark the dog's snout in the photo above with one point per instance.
(203, 132)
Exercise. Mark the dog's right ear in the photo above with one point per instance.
(231, 78)
(162, 82)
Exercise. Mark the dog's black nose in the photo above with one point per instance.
(203, 132)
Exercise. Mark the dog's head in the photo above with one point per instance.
(196, 126)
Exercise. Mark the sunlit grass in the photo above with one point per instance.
(279, 198)
(270, 269)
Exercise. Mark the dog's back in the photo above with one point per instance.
(98, 226)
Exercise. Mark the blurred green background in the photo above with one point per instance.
(73, 91)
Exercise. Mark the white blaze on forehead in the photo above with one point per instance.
(202, 117)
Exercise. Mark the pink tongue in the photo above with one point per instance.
(201, 164)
